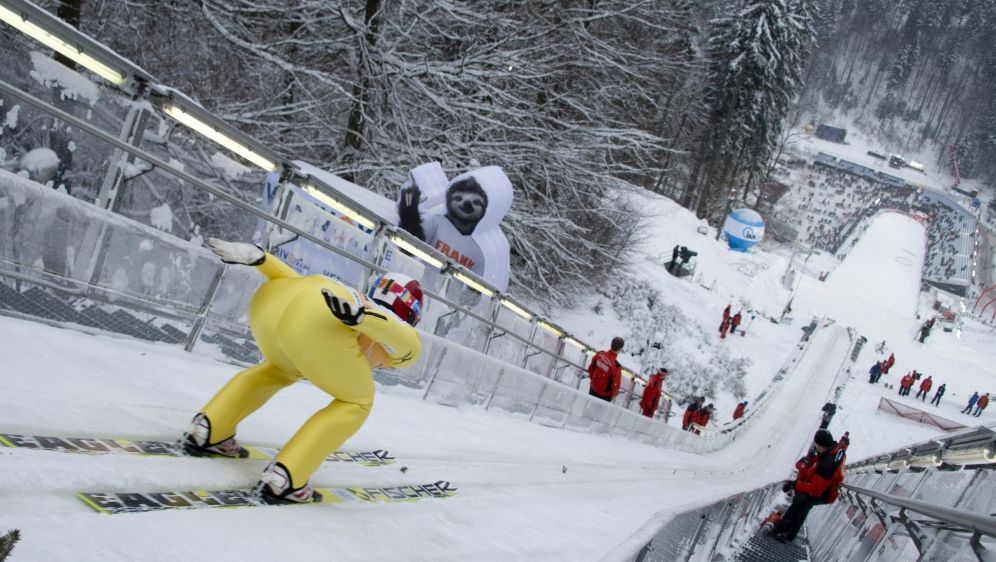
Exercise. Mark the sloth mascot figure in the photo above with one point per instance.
(463, 221)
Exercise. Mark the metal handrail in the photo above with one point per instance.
(972, 446)
(82, 41)
(966, 519)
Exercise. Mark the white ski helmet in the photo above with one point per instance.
(398, 293)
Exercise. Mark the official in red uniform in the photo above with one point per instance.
(652, 393)
(818, 481)
(605, 372)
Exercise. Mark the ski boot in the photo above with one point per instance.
(275, 487)
(195, 442)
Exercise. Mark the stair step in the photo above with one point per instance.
(762, 547)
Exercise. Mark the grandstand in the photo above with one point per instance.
(837, 196)
(827, 161)
(832, 201)
(951, 239)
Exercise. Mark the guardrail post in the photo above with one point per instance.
(495, 311)
(132, 132)
(198, 327)
(494, 390)
(379, 246)
(94, 241)
(532, 336)
(280, 203)
(435, 371)
(551, 371)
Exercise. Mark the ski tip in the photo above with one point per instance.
(87, 500)
(447, 487)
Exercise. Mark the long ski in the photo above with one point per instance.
(112, 503)
(97, 446)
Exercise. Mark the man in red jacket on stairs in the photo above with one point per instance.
(819, 478)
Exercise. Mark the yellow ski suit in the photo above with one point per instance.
(300, 338)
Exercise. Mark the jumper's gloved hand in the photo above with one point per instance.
(349, 313)
(788, 486)
(237, 252)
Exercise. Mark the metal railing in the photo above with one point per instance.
(973, 446)
(929, 501)
(717, 531)
(977, 524)
(887, 510)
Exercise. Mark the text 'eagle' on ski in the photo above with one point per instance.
(89, 445)
(115, 502)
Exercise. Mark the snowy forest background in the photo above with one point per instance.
(578, 100)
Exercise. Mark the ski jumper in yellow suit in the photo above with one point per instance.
(300, 339)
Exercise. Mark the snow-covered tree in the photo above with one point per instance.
(758, 50)
(698, 366)
(575, 99)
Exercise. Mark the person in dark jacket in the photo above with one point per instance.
(829, 409)
(971, 403)
(817, 483)
(936, 400)
(925, 329)
(605, 372)
(875, 372)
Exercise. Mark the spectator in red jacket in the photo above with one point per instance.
(905, 384)
(889, 363)
(724, 326)
(819, 478)
(981, 404)
(691, 412)
(924, 389)
(738, 412)
(605, 372)
(734, 322)
(652, 393)
(702, 417)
